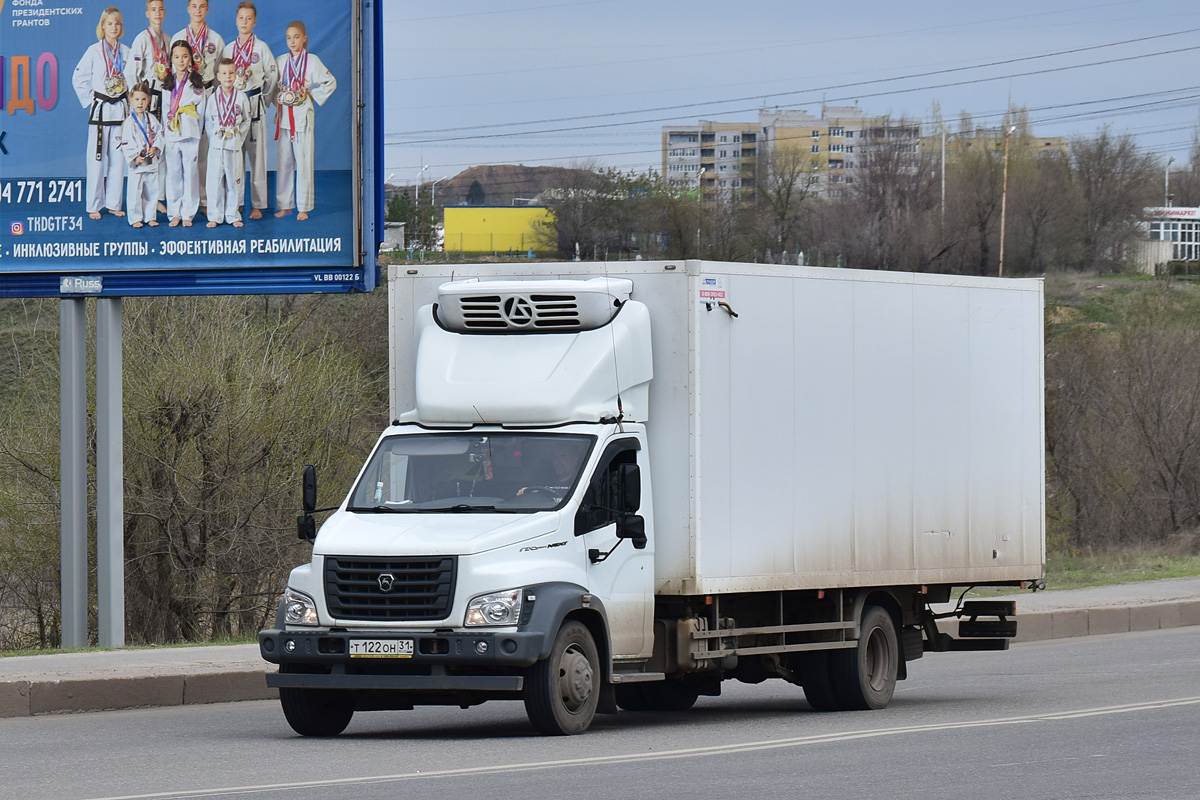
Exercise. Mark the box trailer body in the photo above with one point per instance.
(812, 457)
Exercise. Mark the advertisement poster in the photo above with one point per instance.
(243, 165)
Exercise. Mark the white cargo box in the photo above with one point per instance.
(821, 428)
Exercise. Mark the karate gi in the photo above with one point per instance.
(211, 44)
(92, 82)
(181, 149)
(260, 84)
(294, 131)
(143, 57)
(227, 126)
(141, 190)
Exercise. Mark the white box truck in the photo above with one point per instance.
(616, 486)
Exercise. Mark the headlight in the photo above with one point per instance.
(499, 608)
(299, 609)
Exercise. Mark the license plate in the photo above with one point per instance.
(381, 648)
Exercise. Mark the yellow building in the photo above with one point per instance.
(487, 229)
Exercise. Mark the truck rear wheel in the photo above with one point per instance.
(561, 692)
(316, 712)
(817, 681)
(864, 678)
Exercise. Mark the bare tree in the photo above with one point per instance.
(1116, 181)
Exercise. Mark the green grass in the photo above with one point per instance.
(1081, 571)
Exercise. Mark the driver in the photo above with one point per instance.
(564, 463)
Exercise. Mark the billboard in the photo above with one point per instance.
(129, 168)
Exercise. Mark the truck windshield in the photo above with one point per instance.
(471, 472)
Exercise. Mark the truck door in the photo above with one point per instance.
(619, 574)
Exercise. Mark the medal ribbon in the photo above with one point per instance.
(242, 55)
(113, 63)
(160, 47)
(197, 42)
(176, 94)
(226, 109)
(295, 70)
(147, 134)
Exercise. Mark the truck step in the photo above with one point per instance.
(945, 643)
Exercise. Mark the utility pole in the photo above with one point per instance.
(1004, 197)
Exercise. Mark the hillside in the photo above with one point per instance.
(504, 182)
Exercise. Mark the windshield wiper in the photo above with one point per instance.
(461, 507)
(384, 509)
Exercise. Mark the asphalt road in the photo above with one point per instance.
(1097, 717)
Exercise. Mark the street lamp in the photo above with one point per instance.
(1004, 197)
(945, 136)
(433, 191)
(1167, 181)
(420, 176)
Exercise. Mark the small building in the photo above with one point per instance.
(1180, 227)
(393, 236)
(493, 229)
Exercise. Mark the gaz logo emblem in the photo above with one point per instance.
(518, 311)
(386, 581)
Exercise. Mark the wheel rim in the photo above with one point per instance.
(574, 679)
(878, 659)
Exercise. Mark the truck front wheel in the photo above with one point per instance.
(316, 712)
(864, 677)
(561, 692)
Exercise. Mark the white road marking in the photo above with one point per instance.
(691, 752)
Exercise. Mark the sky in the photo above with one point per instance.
(592, 82)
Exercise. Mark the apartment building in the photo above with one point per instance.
(835, 144)
(719, 158)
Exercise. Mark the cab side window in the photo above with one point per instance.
(602, 502)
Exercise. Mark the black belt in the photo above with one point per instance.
(98, 103)
(259, 107)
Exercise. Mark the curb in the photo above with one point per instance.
(33, 698)
(24, 698)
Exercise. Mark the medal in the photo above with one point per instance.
(243, 54)
(197, 44)
(160, 55)
(173, 111)
(226, 114)
(294, 73)
(114, 65)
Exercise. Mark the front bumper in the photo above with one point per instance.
(441, 661)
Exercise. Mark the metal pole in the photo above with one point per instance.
(1167, 182)
(110, 470)
(72, 402)
(943, 178)
(1004, 199)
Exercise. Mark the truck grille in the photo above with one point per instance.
(520, 312)
(389, 589)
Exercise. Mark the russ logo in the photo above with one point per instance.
(17, 228)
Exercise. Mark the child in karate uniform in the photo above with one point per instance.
(303, 79)
(149, 62)
(99, 83)
(183, 121)
(258, 77)
(206, 46)
(227, 120)
(140, 137)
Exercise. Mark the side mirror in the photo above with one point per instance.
(306, 528)
(633, 527)
(308, 496)
(630, 477)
